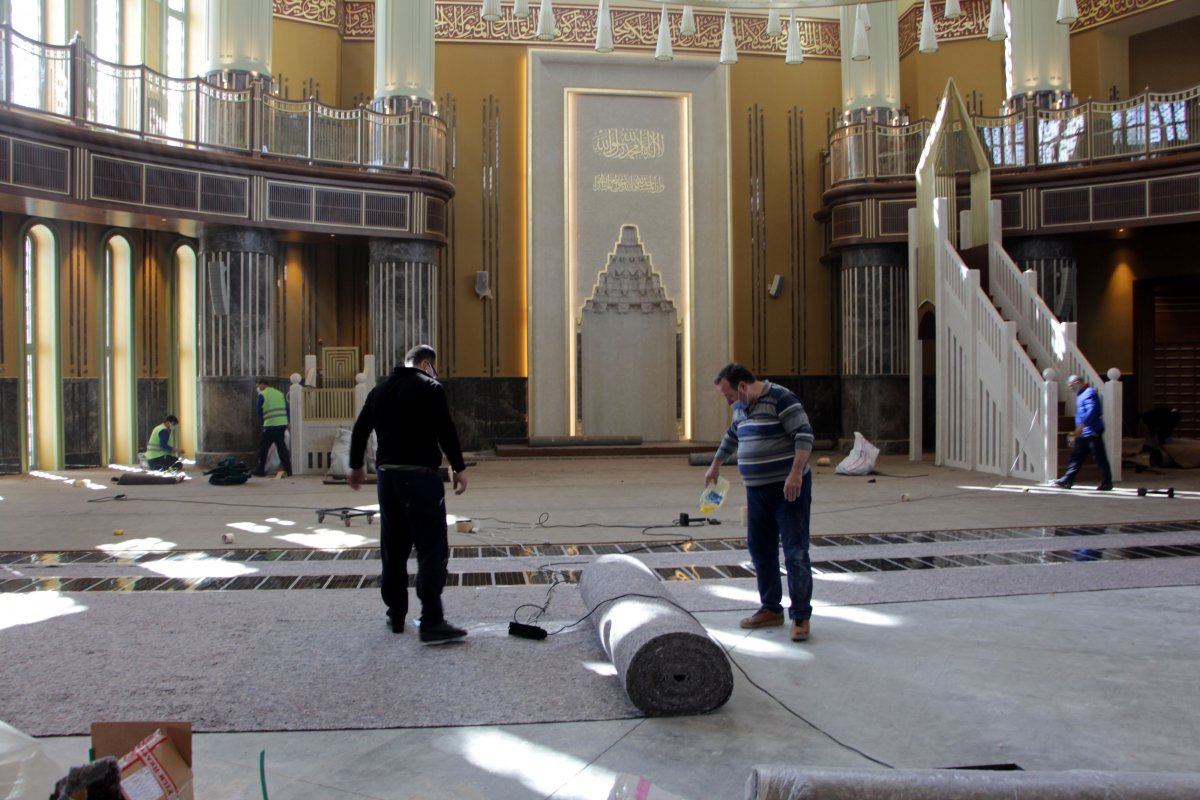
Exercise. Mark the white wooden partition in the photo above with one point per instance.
(995, 410)
(1050, 342)
(318, 414)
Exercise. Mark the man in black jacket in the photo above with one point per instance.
(412, 425)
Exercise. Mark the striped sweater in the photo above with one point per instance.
(766, 436)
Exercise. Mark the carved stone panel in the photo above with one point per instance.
(628, 349)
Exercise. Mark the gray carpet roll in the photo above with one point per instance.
(803, 783)
(148, 478)
(664, 658)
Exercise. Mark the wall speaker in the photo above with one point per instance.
(481, 285)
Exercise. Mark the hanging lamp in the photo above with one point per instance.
(545, 28)
(490, 10)
(604, 40)
(773, 26)
(520, 9)
(953, 10)
(795, 53)
(928, 32)
(663, 51)
(996, 22)
(687, 24)
(1068, 12)
(861, 50)
(728, 46)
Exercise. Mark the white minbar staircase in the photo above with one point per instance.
(1002, 362)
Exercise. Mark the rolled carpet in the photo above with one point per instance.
(665, 659)
(803, 783)
(148, 478)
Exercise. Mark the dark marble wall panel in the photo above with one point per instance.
(821, 396)
(83, 424)
(488, 410)
(229, 423)
(876, 406)
(153, 397)
(10, 415)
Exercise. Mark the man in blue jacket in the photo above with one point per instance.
(1089, 435)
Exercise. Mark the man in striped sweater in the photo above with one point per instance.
(773, 439)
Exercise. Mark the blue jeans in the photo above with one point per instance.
(772, 519)
(412, 513)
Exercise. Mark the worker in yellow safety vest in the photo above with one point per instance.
(273, 414)
(161, 452)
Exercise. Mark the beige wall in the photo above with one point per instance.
(975, 64)
(303, 52)
(1166, 59)
(1109, 263)
(1099, 62)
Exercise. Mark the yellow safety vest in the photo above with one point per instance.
(274, 408)
(154, 448)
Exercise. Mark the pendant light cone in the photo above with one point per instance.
(928, 33)
(1068, 12)
(774, 28)
(663, 52)
(728, 46)
(861, 51)
(795, 54)
(996, 22)
(864, 14)
(687, 25)
(545, 28)
(604, 40)
(491, 10)
(520, 9)
(953, 10)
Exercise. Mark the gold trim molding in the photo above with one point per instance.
(633, 29)
(637, 29)
(317, 12)
(974, 20)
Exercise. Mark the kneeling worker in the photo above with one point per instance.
(161, 453)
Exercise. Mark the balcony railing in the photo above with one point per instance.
(1149, 125)
(71, 83)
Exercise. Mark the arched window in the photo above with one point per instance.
(186, 364)
(119, 380)
(41, 370)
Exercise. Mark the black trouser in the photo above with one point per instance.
(412, 513)
(1083, 445)
(274, 436)
(162, 462)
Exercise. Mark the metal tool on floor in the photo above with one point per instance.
(345, 514)
(1143, 491)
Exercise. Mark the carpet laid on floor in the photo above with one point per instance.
(290, 660)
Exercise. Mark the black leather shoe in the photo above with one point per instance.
(1063, 484)
(1104, 487)
(397, 625)
(441, 632)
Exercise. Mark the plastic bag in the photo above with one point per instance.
(25, 770)
(713, 496)
(861, 460)
(339, 456)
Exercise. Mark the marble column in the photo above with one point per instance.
(404, 299)
(238, 45)
(871, 88)
(1054, 260)
(873, 283)
(236, 338)
(1037, 55)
